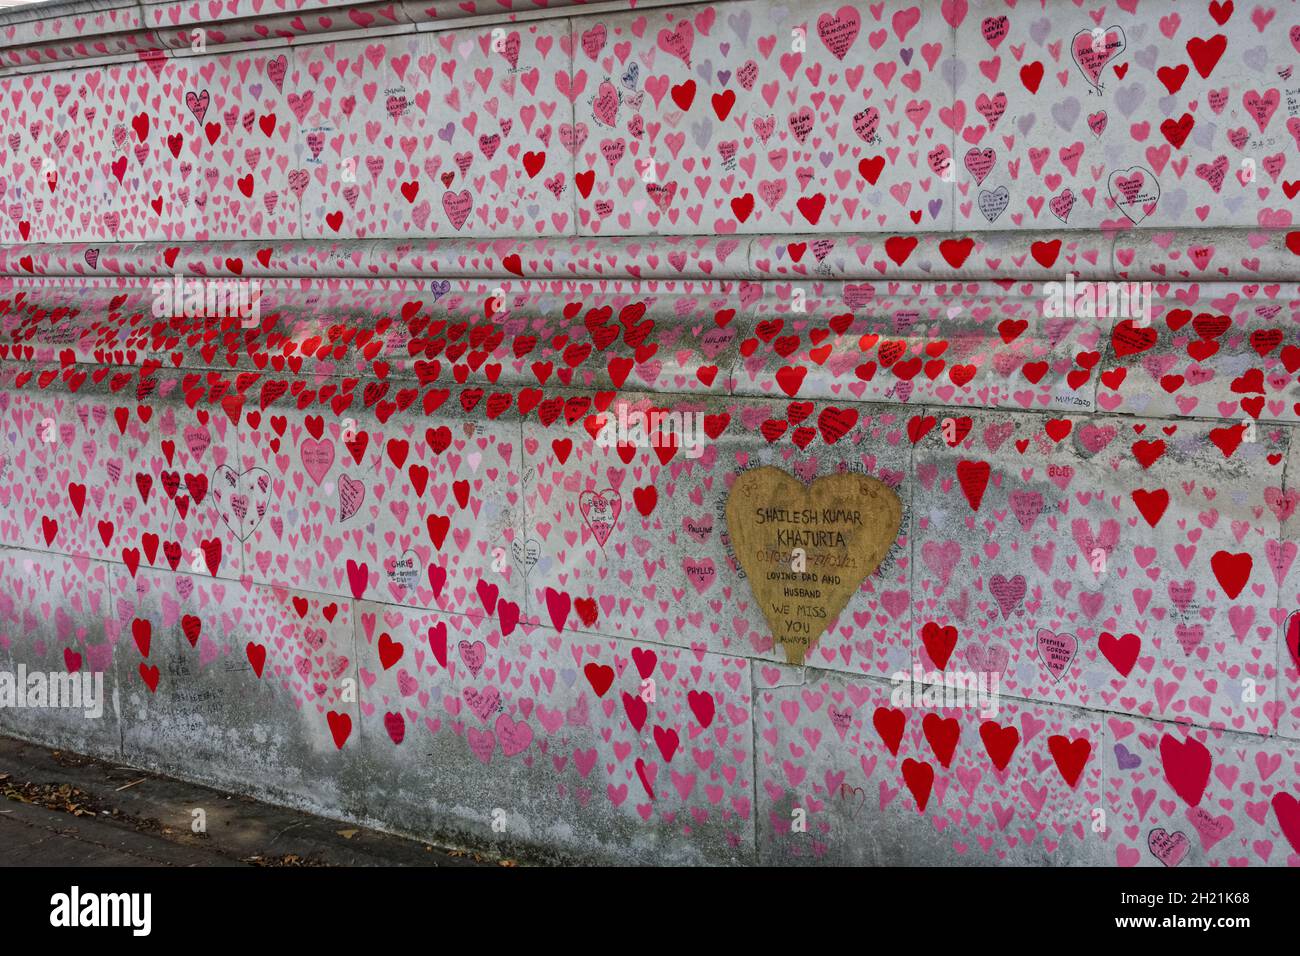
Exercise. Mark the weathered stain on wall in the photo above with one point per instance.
(366, 548)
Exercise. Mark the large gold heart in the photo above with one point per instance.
(845, 525)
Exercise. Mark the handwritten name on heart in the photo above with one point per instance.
(845, 526)
(526, 552)
(600, 510)
(241, 498)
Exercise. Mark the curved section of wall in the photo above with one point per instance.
(351, 538)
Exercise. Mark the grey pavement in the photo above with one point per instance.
(64, 809)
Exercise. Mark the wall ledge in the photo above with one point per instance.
(93, 32)
(1232, 255)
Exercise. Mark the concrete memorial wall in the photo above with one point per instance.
(734, 433)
